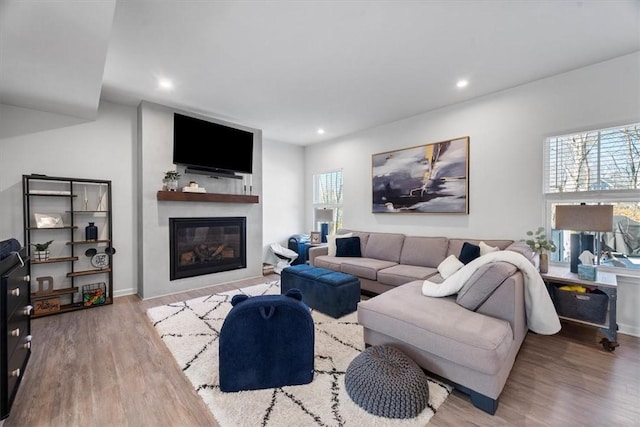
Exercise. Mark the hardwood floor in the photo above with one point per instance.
(108, 367)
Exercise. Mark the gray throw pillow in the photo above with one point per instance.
(482, 283)
(523, 249)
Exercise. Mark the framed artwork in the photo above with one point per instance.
(315, 237)
(430, 178)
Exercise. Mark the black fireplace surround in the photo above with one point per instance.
(206, 245)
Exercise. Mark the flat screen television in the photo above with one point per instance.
(211, 148)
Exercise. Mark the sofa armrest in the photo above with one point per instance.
(507, 303)
(315, 251)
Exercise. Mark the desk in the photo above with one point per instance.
(605, 282)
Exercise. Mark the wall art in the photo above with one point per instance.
(429, 178)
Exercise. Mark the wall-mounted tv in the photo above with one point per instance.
(211, 148)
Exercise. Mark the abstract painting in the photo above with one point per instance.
(430, 178)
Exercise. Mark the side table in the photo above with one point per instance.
(605, 282)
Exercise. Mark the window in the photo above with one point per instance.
(598, 167)
(327, 199)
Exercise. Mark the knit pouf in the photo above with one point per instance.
(385, 382)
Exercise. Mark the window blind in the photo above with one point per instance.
(599, 160)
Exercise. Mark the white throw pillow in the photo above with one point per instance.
(450, 265)
(486, 249)
(331, 240)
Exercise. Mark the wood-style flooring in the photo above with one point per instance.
(107, 367)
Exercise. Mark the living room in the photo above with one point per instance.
(130, 144)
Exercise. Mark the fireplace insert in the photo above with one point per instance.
(206, 245)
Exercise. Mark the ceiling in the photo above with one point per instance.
(291, 67)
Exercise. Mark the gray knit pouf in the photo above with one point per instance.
(385, 382)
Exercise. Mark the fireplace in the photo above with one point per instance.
(206, 245)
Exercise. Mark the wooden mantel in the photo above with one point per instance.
(179, 196)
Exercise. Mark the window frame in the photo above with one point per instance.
(337, 207)
(586, 196)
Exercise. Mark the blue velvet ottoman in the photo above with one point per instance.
(330, 292)
(266, 341)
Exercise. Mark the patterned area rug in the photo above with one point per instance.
(190, 329)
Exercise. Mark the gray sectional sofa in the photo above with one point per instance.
(474, 348)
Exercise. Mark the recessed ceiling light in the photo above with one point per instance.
(165, 84)
(462, 83)
(320, 131)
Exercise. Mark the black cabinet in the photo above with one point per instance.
(76, 271)
(15, 329)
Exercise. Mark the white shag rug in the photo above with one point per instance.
(190, 329)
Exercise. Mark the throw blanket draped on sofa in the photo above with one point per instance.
(541, 314)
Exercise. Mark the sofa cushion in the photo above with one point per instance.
(364, 267)
(329, 262)
(455, 245)
(364, 237)
(424, 251)
(486, 249)
(331, 242)
(482, 283)
(384, 246)
(450, 265)
(439, 326)
(348, 247)
(401, 274)
(469, 252)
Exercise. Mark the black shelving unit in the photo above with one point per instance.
(78, 273)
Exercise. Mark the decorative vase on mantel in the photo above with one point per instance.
(544, 262)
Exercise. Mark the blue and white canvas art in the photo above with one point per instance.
(430, 178)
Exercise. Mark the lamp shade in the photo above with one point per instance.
(324, 215)
(584, 217)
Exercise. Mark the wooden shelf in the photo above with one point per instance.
(64, 308)
(50, 260)
(87, 242)
(88, 272)
(66, 227)
(179, 196)
(54, 293)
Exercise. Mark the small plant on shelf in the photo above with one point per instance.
(42, 250)
(171, 180)
(538, 242)
(171, 175)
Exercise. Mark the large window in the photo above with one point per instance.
(598, 167)
(327, 200)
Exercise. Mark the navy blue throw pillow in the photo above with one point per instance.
(348, 246)
(469, 252)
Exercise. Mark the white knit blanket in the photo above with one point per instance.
(541, 314)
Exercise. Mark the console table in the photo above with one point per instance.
(605, 282)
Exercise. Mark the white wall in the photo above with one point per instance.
(283, 192)
(56, 145)
(507, 131)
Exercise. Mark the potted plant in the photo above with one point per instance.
(171, 180)
(538, 243)
(42, 251)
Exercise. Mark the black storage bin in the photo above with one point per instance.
(299, 243)
(586, 306)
